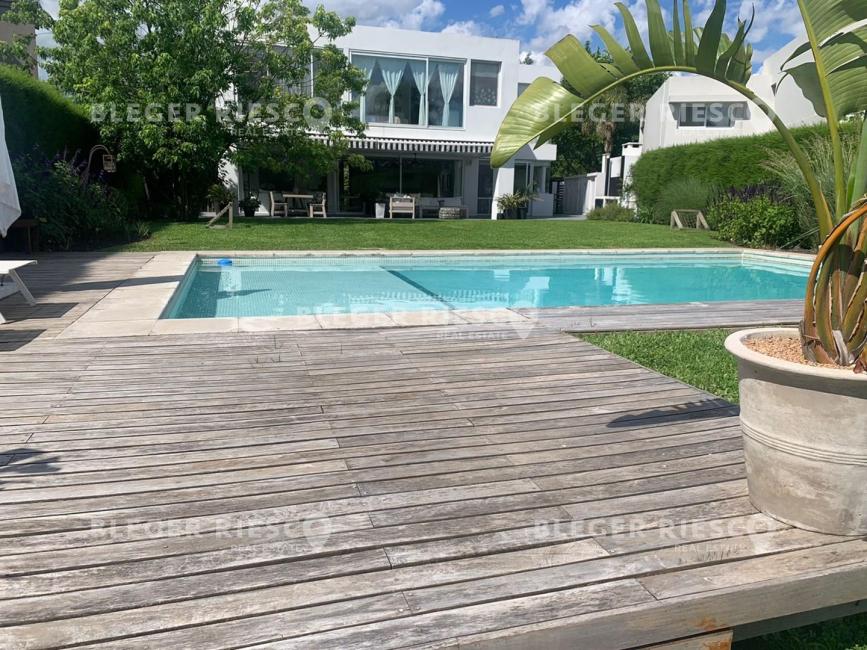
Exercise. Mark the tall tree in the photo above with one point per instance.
(20, 51)
(178, 86)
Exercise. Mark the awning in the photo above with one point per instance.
(418, 145)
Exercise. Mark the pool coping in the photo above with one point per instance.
(134, 308)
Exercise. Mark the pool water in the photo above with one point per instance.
(289, 286)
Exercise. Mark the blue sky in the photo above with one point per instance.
(540, 23)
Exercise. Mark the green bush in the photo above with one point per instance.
(682, 194)
(72, 215)
(756, 222)
(790, 180)
(728, 162)
(611, 212)
(38, 116)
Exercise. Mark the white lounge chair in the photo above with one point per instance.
(10, 268)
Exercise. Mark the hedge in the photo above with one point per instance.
(38, 115)
(724, 163)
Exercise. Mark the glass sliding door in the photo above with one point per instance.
(432, 178)
(540, 175)
(522, 181)
(486, 187)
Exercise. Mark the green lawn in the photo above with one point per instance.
(698, 358)
(358, 234)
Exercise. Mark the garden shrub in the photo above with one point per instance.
(790, 180)
(72, 215)
(682, 194)
(39, 117)
(611, 212)
(755, 219)
(727, 162)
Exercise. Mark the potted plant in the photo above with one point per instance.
(528, 195)
(219, 196)
(512, 205)
(249, 206)
(803, 392)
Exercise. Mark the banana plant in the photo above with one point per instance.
(831, 70)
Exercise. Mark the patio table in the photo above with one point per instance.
(298, 200)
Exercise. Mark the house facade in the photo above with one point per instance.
(689, 109)
(433, 105)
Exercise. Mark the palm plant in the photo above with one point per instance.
(833, 78)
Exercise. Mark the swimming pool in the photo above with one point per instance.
(290, 286)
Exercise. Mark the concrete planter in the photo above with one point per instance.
(805, 439)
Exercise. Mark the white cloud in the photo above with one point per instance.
(407, 14)
(465, 28)
(547, 21)
(497, 10)
(773, 17)
(550, 24)
(531, 10)
(422, 15)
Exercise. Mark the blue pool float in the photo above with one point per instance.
(224, 262)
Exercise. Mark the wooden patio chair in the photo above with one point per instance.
(316, 208)
(401, 205)
(279, 205)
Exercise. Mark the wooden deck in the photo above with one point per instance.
(475, 486)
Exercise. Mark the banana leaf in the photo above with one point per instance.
(546, 107)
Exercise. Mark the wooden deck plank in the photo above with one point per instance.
(483, 486)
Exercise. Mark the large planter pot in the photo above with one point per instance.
(805, 438)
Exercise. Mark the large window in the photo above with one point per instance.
(420, 92)
(486, 187)
(484, 83)
(446, 95)
(710, 115)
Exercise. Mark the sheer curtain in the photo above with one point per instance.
(392, 73)
(419, 75)
(448, 73)
(366, 64)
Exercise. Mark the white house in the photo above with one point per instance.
(433, 105)
(689, 109)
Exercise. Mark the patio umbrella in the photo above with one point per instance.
(10, 209)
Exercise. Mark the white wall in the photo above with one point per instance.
(660, 124)
(480, 122)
